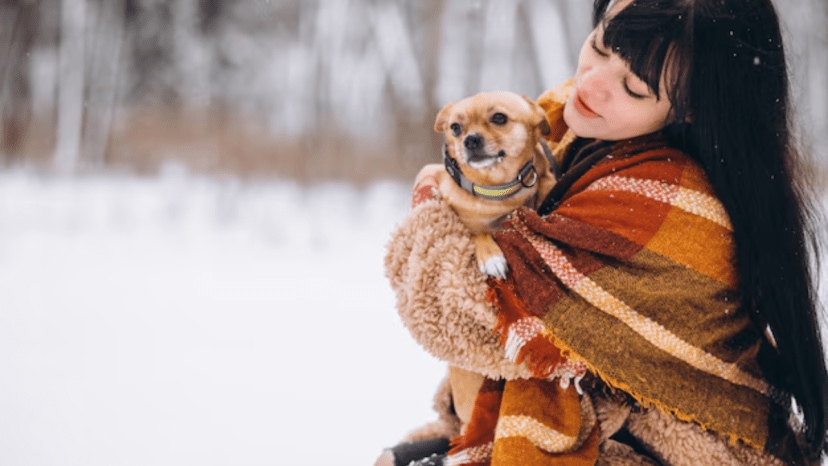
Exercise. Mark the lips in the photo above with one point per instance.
(582, 107)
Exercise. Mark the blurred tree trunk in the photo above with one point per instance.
(395, 41)
(18, 30)
(557, 31)
(70, 84)
(576, 21)
(807, 46)
(150, 52)
(461, 57)
(430, 40)
(105, 37)
(498, 44)
(325, 51)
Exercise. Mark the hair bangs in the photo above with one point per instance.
(649, 35)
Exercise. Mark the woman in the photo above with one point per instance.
(671, 260)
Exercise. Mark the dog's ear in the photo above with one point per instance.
(441, 121)
(539, 116)
(544, 127)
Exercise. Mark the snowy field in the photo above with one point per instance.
(182, 320)
(187, 321)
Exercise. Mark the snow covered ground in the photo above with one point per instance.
(182, 320)
(187, 321)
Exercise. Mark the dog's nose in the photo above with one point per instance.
(473, 141)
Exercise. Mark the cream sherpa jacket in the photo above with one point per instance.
(441, 300)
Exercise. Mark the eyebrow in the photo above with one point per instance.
(594, 43)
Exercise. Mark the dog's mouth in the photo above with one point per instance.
(480, 159)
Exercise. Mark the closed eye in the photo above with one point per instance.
(632, 93)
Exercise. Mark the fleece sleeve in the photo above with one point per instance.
(441, 294)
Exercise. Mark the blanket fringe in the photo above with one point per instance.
(473, 455)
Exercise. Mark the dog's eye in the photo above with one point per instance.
(456, 129)
(499, 119)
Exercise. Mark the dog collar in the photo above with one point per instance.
(526, 178)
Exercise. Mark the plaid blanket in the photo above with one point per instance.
(543, 420)
(633, 274)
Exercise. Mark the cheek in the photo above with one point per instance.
(569, 113)
(513, 141)
(583, 62)
(646, 119)
(583, 55)
(518, 136)
(660, 114)
(455, 147)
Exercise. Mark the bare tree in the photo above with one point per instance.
(71, 83)
(106, 31)
(404, 74)
(428, 40)
(807, 43)
(18, 29)
(557, 31)
(150, 53)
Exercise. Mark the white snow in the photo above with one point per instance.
(183, 320)
(189, 321)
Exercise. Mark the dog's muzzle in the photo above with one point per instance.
(476, 154)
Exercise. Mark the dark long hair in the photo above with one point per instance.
(727, 80)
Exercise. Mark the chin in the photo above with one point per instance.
(573, 120)
(581, 126)
(577, 125)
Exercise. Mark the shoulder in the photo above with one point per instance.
(653, 170)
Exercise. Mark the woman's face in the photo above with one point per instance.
(609, 102)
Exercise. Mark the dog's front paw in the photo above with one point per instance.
(490, 259)
(495, 266)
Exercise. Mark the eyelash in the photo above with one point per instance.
(604, 54)
(631, 93)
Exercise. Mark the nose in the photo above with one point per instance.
(595, 82)
(473, 141)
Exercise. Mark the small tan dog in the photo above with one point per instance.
(494, 163)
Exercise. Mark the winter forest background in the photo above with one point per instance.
(194, 201)
(324, 89)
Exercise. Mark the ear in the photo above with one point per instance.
(553, 102)
(538, 116)
(441, 121)
(544, 127)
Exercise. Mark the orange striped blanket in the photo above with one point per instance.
(632, 275)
